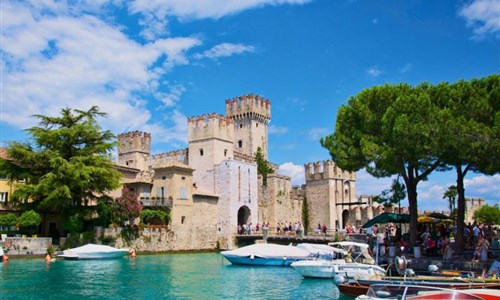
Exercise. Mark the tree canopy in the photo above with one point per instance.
(68, 164)
(262, 166)
(487, 214)
(412, 131)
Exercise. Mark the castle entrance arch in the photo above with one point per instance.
(345, 218)
(243, 215)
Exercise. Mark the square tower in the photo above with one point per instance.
(250, 114)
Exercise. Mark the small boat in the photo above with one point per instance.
(418, 292)
(265, 255)
(356, 288)
(353, 261)
(93, 251)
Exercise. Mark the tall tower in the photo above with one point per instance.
(210, 139)
(251, 114)
(134, 149)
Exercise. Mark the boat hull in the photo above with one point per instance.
(260, 261)
(92, 251)
(316, 268)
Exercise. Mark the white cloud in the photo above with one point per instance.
(201, 9)
(317, 133)
(272, 129)
(487, 187)
(225, 50)
(57, 60)
(296, 172)
(374, 71)
(483, 16)
(406, 68)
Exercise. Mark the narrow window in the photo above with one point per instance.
(182, 219)
(241, 125)
(240, 143)
(164, 177)
(183, 178)
(225, 152)
(201, 152)
(256, 124)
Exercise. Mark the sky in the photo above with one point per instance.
(151, 64)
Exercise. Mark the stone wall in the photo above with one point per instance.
(26, 246)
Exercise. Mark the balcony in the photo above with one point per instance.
(156, 201)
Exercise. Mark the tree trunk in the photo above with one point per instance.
(459, 236)
(411, 189)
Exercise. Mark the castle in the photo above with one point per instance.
(212, 186)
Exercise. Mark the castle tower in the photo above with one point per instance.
(331, 192)
(134, 149)
(210, 139)
(251, 114)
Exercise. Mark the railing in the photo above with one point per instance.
(158, 201)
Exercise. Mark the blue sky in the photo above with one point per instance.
(151, 64)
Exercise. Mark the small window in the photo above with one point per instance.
(241, 125)
(183, 178)
(183, 218)
(225, 152)
(164, 178)
(256, 124)
(201, 152)
(240, 143)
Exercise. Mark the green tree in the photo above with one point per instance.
(29, 220)
(389, 130)
(470, 118)
(8, 220)
(392, 196)
(67, 167)
(487, 214)
(305, 215)
(263, 167)
(451, 195)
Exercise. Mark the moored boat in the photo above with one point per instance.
(417, 292)
(93, 251)
(351, 260)
(266, 255)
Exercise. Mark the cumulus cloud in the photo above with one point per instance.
(374, 71)
(483, 16)
(296, 172)
(225, 50)
(272, 129)
(406, 68)
(317, 133)
(54, 59)
(484, 186)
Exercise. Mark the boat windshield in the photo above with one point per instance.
(415, 292)
(358, 250)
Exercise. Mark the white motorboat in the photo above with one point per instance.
(352, 260)
(265, 255)
(93, 251)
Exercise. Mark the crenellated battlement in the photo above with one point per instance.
(249, 105)
(172, 156)
(210, 126)
(135, 141)
(326, 170)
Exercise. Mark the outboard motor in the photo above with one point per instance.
(338, 279)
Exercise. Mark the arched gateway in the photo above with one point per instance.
(243, 215)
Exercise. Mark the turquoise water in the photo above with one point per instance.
(172, 276)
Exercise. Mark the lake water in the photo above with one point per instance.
(170, 276)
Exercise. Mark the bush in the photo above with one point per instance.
(8, 220)
(29, 220)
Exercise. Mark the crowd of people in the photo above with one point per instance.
(282, 228)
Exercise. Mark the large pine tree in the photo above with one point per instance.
(67, 166)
